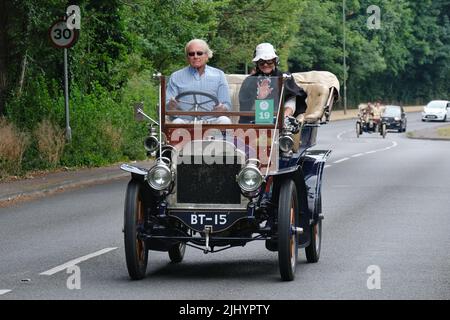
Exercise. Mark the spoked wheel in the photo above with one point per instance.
(383, 130)
(136, 252)
(287, 235)
(358, 129)
(313, 250)
(176, 253)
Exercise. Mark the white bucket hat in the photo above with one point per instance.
(264, 51)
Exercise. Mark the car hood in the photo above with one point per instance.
(434, 111)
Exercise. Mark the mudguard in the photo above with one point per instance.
(312, 163)
(133, 169)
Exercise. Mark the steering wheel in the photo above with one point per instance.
(197, 105)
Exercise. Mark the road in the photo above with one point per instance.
(386, 206)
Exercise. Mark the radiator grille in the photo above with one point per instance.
(198, 182)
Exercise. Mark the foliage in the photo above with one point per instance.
(50, 142)
(244, 24)
(12, 147)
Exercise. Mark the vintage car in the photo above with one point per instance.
(217, 186)
(370, 121)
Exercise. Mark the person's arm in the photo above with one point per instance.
(171, 93)
(289, 107)
(223, 93)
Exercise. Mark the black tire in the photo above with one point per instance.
(445, 119)
(176, 253)
(383, 130)
(287, 239)
(358, 129)
(313, 250)
(136, 252)
(271, 245)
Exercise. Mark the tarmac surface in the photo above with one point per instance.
(42, 184)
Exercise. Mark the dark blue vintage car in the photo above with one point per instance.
(217, 186)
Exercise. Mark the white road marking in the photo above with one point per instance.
(394, 144)
(327, 166)
(341, 160)
(2, 292)
(339, 136)
(357, 155)
(73, 262)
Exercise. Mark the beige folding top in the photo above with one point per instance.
(323, 77)
(318, 85)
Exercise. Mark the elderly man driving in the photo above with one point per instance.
(208, 86)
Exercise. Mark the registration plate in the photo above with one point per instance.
(218, 221)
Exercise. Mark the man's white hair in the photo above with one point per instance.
(202, 43)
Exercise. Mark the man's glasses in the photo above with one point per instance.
(199, 53)
(268, 62)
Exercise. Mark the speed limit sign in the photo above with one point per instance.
(61, 36)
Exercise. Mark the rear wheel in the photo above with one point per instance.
(358, 129)
(313, 250)
(176, 253)
(136, 252)
(287, 235)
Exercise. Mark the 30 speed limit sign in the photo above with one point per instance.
(61, 36)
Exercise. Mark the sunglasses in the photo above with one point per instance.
(199, 53)
(268, 62)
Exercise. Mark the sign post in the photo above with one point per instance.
(66, 97)
(63, 37)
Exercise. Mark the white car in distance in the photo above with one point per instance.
(438, 110)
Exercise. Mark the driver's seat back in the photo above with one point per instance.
(234, 84)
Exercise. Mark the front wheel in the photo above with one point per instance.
(313, 250)
(176, 253)
(287, 235)
(358, 129)
(383, 130)
(136, 252)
